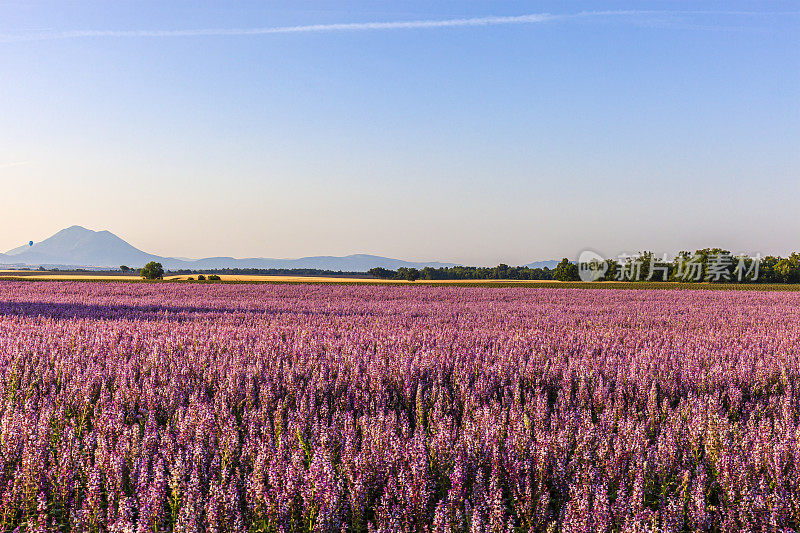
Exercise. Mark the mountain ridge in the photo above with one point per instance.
(81, 247)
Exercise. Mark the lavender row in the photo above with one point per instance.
(161, 407)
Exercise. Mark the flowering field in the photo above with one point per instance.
(176, 407)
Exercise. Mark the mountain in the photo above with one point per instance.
(541, 264)
(349, 263)
(78, 246)
(17, 250)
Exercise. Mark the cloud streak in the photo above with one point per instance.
(14, 164)
(532, 18)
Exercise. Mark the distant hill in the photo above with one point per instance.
(348, 263)
(77, 246)
(541, 264)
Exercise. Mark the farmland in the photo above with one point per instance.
(17, 275)
(297, 407)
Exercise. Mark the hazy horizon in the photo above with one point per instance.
(473, 133)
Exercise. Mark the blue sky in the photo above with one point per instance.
(615, 126)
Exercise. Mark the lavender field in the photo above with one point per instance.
(215, 408)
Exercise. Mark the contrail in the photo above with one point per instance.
(310, 28)
(363, 26)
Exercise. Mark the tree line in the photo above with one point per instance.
(272, 272)
(715, 265)
(154, 270)
(501, 271)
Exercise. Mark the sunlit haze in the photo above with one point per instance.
(473, 132)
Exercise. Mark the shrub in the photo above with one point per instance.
(214, 277)
(201, 278)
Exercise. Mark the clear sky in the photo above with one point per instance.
(285, 129)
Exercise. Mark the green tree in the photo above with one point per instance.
(408, 274)
(677, 270)
(768, 270)
(645, 259)
(153, 270)
(501, 272)
(382, 273)
(789, 269)
(720, 256)
(566, 271)
(124, 268)
(611, 270)
(429, 273)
